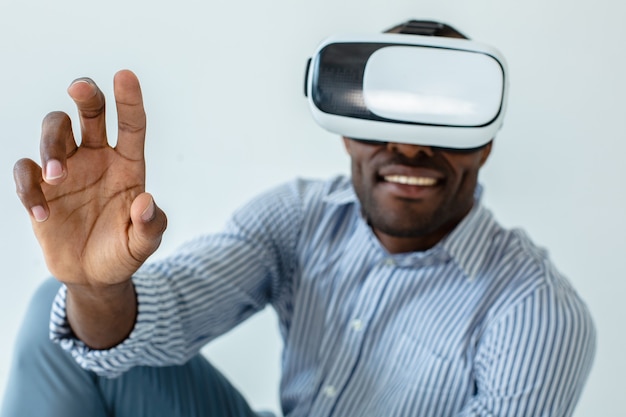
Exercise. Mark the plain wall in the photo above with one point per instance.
(227, 118)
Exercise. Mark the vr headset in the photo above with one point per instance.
(415, 89)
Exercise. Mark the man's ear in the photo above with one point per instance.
(346, 143)
(486, 151)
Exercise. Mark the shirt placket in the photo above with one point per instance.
(344, 359)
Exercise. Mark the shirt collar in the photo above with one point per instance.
(468, 244)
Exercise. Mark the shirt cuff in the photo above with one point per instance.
(136, 349)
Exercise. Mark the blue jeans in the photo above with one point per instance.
(46, 381)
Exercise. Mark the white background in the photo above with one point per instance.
(223, 87)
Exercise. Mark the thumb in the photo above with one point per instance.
(148, 224)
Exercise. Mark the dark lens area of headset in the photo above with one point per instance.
(434, 148)
(457, 150)
(371, 142)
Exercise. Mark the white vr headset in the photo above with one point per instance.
(423, 90)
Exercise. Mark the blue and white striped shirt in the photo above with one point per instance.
(482, 324)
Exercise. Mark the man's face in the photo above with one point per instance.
(411, 195)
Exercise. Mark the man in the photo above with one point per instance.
(397, 292)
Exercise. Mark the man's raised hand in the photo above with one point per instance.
(87, 202)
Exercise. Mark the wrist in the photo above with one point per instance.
(101, 316)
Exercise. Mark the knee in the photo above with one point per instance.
(33, 336)
(44, 379)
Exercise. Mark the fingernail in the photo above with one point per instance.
(84, 81)
(148, 213)
(39, 213)
(54, 170)
(81, 80)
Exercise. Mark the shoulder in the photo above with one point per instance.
(521, 276)
(300, 194)
(288, 206)
(529, 264)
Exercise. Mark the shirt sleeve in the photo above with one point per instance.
(535, 359)
(203, 290)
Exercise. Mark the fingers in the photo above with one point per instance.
(57, 142)
(27, 175)
(148, 225)
(91, 105)
(90, 102)
(130, 115)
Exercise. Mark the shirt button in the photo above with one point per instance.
(390, 262)
(357, 324)
(330, 391)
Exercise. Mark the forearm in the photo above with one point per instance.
(102, 317)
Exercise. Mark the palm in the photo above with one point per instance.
(87, 204)
(90, 217)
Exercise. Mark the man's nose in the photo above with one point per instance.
(410, 151)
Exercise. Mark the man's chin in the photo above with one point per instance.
(403, 229)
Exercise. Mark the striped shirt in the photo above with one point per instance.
(482, 324)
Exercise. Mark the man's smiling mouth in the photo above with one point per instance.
(409, 180)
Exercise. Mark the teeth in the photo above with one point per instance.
(401, 179)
